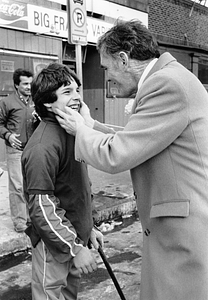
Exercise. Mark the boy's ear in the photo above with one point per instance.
(48, 105)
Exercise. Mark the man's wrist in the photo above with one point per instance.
(7, 135)
(89, 122)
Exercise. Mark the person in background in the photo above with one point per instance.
(17, 123)
(1, 172)
(58, 193)
(165, 146)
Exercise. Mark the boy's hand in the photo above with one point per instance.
(84, 261)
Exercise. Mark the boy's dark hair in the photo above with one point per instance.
(131, 37)
(47, 82)
(20, 72)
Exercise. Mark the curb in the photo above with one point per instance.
(125, 207)
(16, 244)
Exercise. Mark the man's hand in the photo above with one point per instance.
(70, 120)
(84, 261)
(85, 113)
(96, 238)
(14, 141)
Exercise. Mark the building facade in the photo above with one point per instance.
(180, 27)
(35, 33)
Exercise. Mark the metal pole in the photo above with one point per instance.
(78, 49)
(110, 271)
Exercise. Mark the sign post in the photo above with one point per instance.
(77, 31)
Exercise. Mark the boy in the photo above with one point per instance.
(58, 193)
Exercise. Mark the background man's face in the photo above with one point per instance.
(24, 87)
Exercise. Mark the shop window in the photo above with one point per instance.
(203, 71)
(39, 64)
(69, 52)
(9, 63)
(112, 89)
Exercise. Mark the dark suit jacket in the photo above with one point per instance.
(165, 145)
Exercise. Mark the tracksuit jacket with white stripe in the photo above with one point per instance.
(57, 190)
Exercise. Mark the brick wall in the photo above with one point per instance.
(170, 19)
(141, 5)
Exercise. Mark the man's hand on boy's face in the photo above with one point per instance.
(70, 120)
(85, 113)
(84, 109)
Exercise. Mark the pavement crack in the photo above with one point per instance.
(124, 272)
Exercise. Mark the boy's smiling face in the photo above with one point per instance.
(67, 96)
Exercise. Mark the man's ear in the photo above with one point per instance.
(123, 57)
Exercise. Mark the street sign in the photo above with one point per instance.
(77, 22)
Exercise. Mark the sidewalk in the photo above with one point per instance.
(113, 196)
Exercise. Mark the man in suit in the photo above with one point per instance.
(165, 146)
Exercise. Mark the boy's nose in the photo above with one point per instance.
(77, 96)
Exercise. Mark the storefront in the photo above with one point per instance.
(11, 60)
(33, 36)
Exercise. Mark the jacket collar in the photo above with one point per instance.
(51, 117)
(163, 60)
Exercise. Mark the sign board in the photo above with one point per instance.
(41, 20)
(77, 22)
(7, 66)
(15, 14)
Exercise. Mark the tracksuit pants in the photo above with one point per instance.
(52, 280)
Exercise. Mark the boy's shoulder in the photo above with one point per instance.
(47, 137)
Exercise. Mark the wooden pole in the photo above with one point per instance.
(78, 48)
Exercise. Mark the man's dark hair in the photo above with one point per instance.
(20, 72)
(131, 37)
(47, 82)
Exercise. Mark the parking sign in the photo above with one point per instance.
(77, 22)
